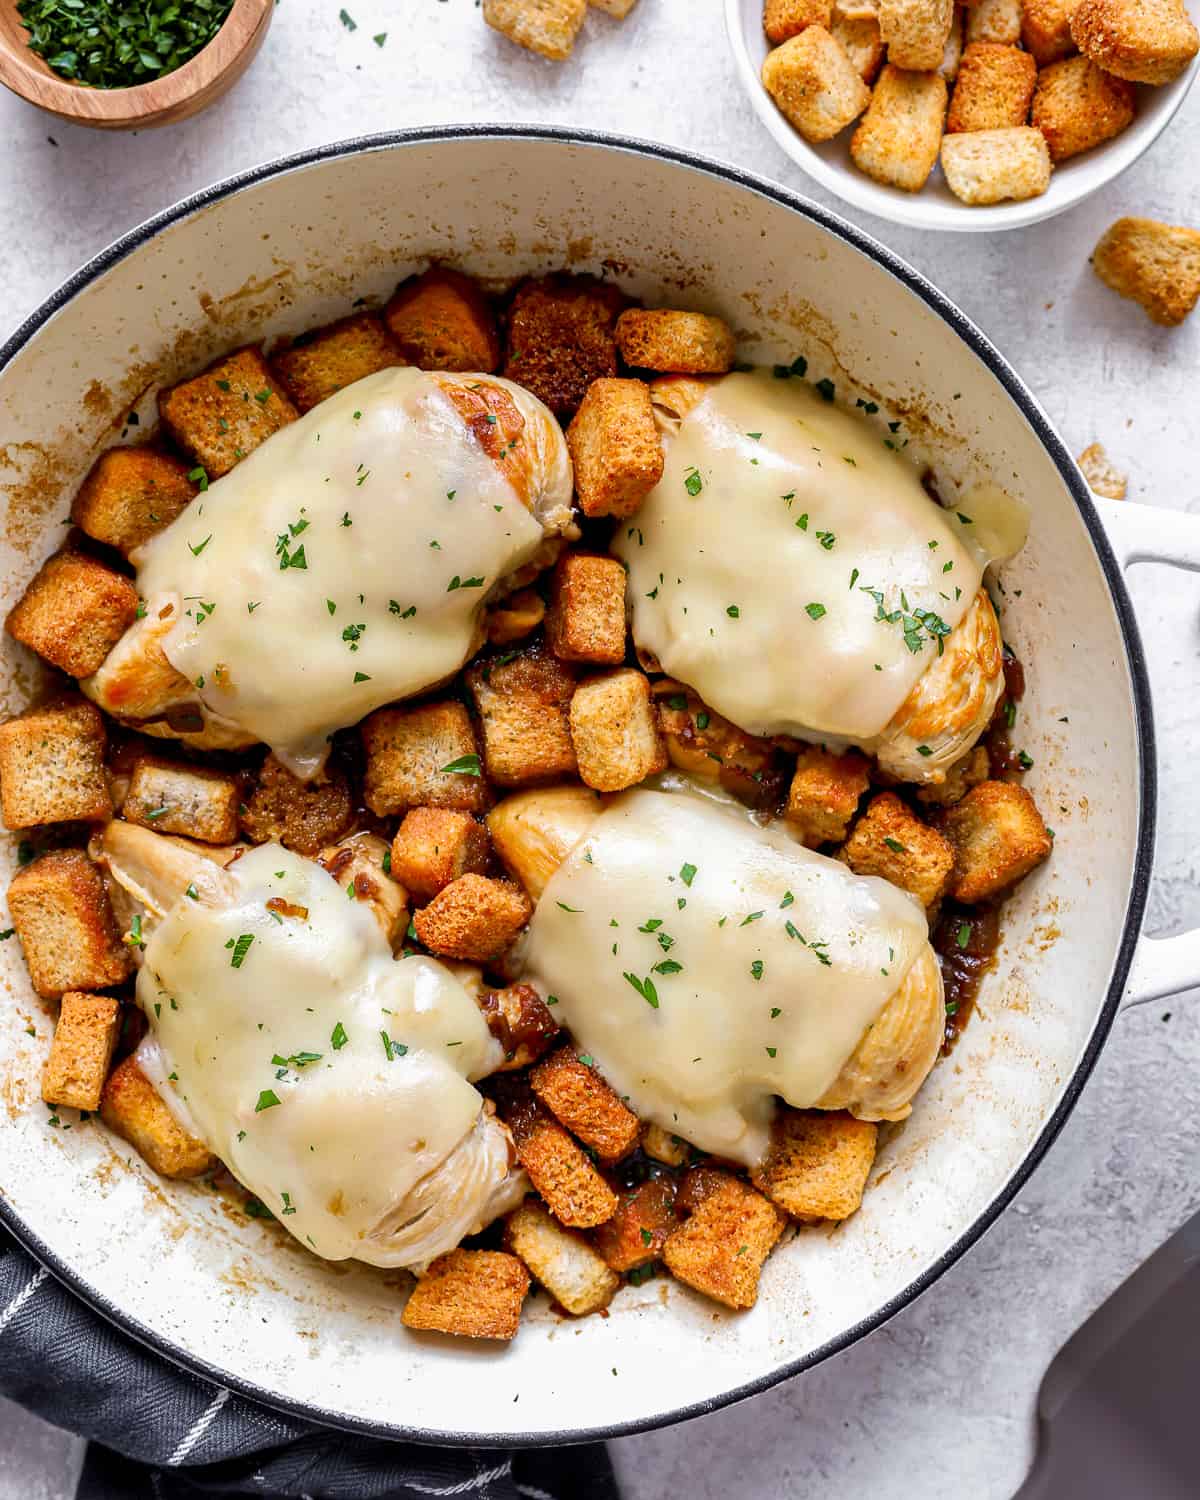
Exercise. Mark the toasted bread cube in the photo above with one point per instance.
(890, 840)
(129, 495)
(331, 358)
(818, 1163)
(953, 50)
(815, 86)
(474, 917)
(861, 40)
(661, 1145)
(897, 140)
(988, 166)
(435, 845)
(615, 731)
(720, 1250)
(476, 1294)
(994, 87)
(1145, 41)
(560, 338)
(1077, 106)
(702, 743)
(441, 320)
(677, 343)
(361, 865)
(824, 794)
(783, 19)
(514, 618)
(965, 773)
(52, 765)
(521, 1022)
(1154, 264)
(573, 1189)
(170, 797)
(586, 621)
(997, 836)
(915, 31)
(522, 706)
(637, 1232)
(300, 815)
(1102, 475)
(224, 413)
(994, 21)
(1046, 29)
(65, 925)
(407, 751)
(579, 1098)
(132, 1108)
(82, 1049)
(697, 1184)
(618, 8)
(615, 447)
(546, 26)
(565, 1264)
(73, 612)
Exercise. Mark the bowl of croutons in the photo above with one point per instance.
(988, 115)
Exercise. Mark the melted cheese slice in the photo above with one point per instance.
(752, 562)
(395, 524)
(708, 964)
(358, 1123)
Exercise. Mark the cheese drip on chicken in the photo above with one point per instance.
(342, 565)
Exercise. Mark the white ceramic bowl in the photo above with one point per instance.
(935, 206)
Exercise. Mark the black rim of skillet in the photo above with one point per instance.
(999, 367)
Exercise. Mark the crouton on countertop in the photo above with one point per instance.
(476, 1294)
(73, 612)
(1102, 475)
(225, 412)
(1154, 264)
(546, 26)
(82, 1049)
(131, 494)
(52, 765)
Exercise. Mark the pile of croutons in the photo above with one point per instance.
(556, 696)
(549, 27)
(1028, 83)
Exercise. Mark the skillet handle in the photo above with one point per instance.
(1146, 533)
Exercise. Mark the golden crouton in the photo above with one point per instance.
(618, 8)
(915, 31)
(226, 411)
(676, 343)
(994, 87)
(565, 1264)
(560, 338)
(1046, 29)
(965, 773)
(521, 1022)
(818, 1163)
(129, 495)
(615, 447)
(661, 1145)
(82, 1049)
(52, 765)
(994, 21)
(637, 1232)
(131, 1107)
(697, 1184)
(408, 751)
(1077, 105)
(586, 621)
(474, 917)
(171, 797)
(546, 26)
(997, 836)
(440, 320)
(1145, 41)
(615, 731)
(861, 41)
(476, 1294)
(571, 1089)
(73, 612)
(816, 88)
(300, 815)
(824, 794)
(988, 166)
(1157, 265)
(515, 617)
(65, 925)
(573, 1189)
(331, 358)
(702, 743)
(361, 865)
(953, 50)
(435, 845)
(522, 705)
(720, 1250)
(891, 841)
(788, 18)
(897, 140)
(1102, 475)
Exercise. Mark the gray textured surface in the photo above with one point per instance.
(940, 1401)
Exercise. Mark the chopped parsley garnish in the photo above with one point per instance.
(924, 750)
(199, 546)
(405, 614)
(788, 898)
(826, 388)
(465, 765)
(753, 917)
(338, 1038)
(362, 677)
(693, 483)
(733, 611)
(199, 475)
(678, 702)
(756, 969)
(574, 910)
(240, 946)
(966, 520)
(687, 873)
(870, 407)
(133, 938)
(775, 1012)
(963, 936)
(392, 1049)
(666, 966)
(814, 611)
(463, 583)
(816, 947)
(827, 539)
(645, 988)
(895, 846)
(702, 721)
(772, 1051)
(1024, 760)
(288, 1206)
(1010, 713)
(268, 1099)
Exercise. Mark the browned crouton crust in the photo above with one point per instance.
(52, 765)
(521, 1022)
(995, 84)
(224, 413)
(514, 618)
(546, 26)
(300, 815)
(787, 18)
(997, 836)
(815, 86)
(586, 621)
(579, 1098)
(615, 730)
(1077, 106)
(890, 840)
(574, 1190)
(818, 1163)
(65, 925)
(522, 705)
(1046, 29)
(989, 166)
(84, 1039)
(131, 1107)
(440, 320)
(675, 342)
(824, 794)
(706, 745)
(994, 21)
(615, 447)
(476, 1294)
(435, 845)
(697, 1184)
(618, 8)
(915, 31)
(560, 338)
(720, 1250)
(73, 612)
(329, 359)
(171, 797)
(661, 1145)
(897, 139)
(407, 750)
(1102, 475)
(637, 1232)
(473, 917)
(1154, 264)
(1145, 41)
(565, 1264)
(129, 495)
(860, 39)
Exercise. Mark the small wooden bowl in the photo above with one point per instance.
(184, 92)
